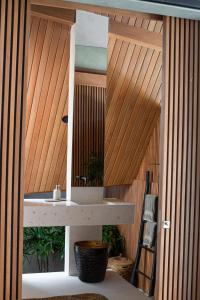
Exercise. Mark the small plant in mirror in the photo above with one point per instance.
(95, 169)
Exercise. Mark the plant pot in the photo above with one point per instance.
(91, 260)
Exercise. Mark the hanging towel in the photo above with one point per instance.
(150, 206)
(149, 234)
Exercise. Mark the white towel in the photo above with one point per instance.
(149, 234)
(150, 204)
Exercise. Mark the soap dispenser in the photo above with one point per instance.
(57, 193)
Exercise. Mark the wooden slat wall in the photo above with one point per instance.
(88, 128)
(134, 193)
(46, 134)
(133, 103)
(14, 19)
(179, 260)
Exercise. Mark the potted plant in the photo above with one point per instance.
(114, 239)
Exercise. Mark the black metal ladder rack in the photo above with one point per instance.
(136, 271)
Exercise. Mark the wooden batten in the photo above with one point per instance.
(14, 31)
(138, 36)
(90, 79)
(179, 246)
(97, 9)
(56, 14)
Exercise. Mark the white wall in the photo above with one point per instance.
(91, 29)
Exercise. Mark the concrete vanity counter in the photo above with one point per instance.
(39, 212)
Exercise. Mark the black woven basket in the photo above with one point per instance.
(91, 260)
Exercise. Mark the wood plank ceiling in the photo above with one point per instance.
(133, 102)
(133, 89)
(46, 134)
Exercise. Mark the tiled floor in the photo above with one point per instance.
(56, 284)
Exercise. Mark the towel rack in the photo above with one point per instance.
(136, 271)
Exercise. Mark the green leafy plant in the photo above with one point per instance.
(42, 242)
(95, 169)
(116, 241)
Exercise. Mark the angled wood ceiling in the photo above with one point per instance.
(46, 134)
(133, 89)
(133, 102)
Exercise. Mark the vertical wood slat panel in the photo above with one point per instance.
(88, 129)
(13, 81)
(178, 267)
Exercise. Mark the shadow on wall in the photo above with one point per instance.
(48, 195)
(56, 264)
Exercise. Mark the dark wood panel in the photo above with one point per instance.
(180, 158)
(14, 18)
(88, 132)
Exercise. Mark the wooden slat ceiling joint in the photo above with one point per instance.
(97, 9)
(61, 15)
(90, 79)
(136, 35)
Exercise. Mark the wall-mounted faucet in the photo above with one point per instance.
(84, 178)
